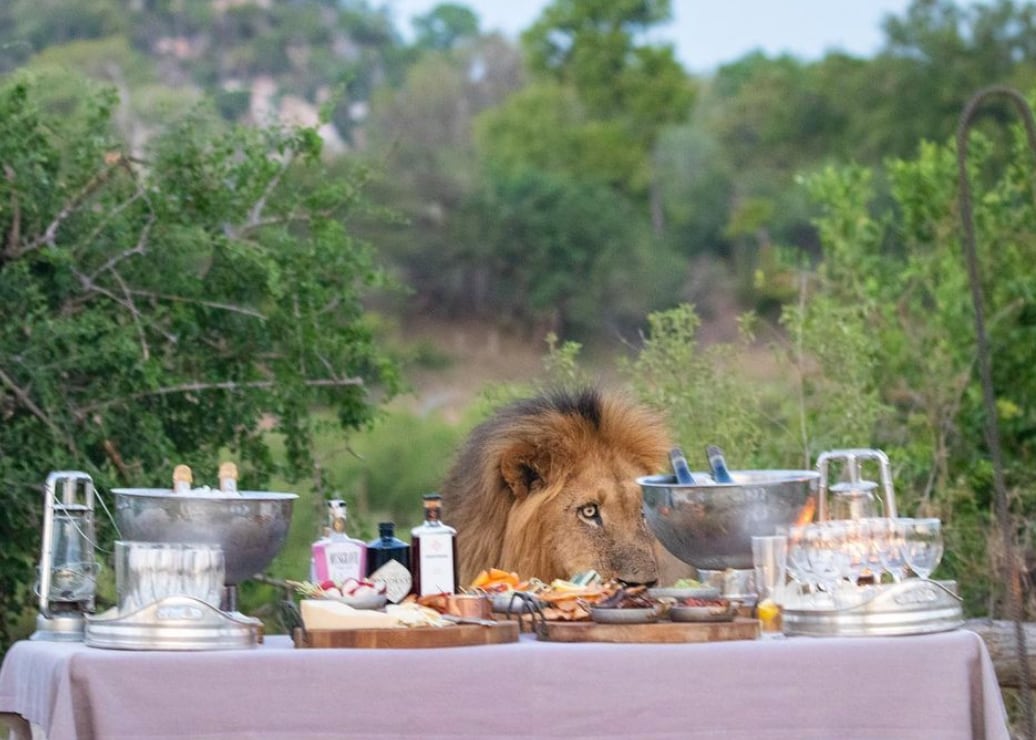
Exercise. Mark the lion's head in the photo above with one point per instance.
(547, 488)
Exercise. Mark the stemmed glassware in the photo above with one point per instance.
(887, 541)
(858, 546)
(923, 545)
(798, 557)
(836, 561)
(825, 551)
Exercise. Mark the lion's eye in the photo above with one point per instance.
(590, 511)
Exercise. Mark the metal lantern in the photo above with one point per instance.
(854, 498)
(67, 569)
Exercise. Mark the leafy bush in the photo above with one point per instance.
(161, 305)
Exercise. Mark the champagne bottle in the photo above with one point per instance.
(433, 551)
(718, 463)
(182, 479)
(388, 562)
(228, 478)
(680, 467)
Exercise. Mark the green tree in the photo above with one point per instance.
(420, 137)
(446, 26)
(559, 254)
(27, 27)
(159, 309)
(627, 90)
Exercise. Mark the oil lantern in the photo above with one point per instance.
(68, 569)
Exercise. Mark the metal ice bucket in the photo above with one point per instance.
(710, 526)
(250, 526)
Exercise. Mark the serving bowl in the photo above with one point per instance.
(711, 525)
(718, 612)
(618, 615)
(365, 601)
(250, 526)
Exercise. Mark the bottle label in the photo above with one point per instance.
(397, 580)
(436, 565)
(338, 560)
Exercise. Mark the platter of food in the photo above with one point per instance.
(332, 624)
(661, 631)
(453, 635)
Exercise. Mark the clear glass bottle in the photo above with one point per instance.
(433, 551)
(388, 562)
(337, 556)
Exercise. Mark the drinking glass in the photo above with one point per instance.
(798, 562)
(770, 558)
(826, 553)
(857, 550)
(923, 546)
(874, 532)
(888, 538)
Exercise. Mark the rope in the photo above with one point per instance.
(1015, 607)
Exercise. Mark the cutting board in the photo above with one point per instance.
(662, 632)
(455, 635)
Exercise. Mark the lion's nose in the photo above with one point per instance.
(633, 565)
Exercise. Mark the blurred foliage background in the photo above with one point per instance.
(282, 233)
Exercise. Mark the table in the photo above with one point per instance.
(931, 686)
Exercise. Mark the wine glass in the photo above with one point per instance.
(857, 549)
(887, 536)
(923, 546)
(873, 532)
(798, 559)
(826, 554)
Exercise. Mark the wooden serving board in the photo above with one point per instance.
(662, 632)
(455, 635)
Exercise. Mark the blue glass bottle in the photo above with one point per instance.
(718, 464)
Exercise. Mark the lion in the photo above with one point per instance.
(546, 488)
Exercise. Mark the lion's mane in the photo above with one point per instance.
(527, 443)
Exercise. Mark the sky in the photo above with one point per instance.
(708, 33)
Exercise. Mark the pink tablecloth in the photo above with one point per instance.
(934, 686)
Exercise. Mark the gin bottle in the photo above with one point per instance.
(338, 556)
(388, 562)
(433, 551)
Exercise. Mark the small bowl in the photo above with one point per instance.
(614, 615)
(711, 613)
(699, 592)
(366, 601)
(468, 605)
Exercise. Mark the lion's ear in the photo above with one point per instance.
(521, 472)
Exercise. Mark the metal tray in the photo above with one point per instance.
(173, 623)
(913, 607)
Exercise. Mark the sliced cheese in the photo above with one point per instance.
(320, 614)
